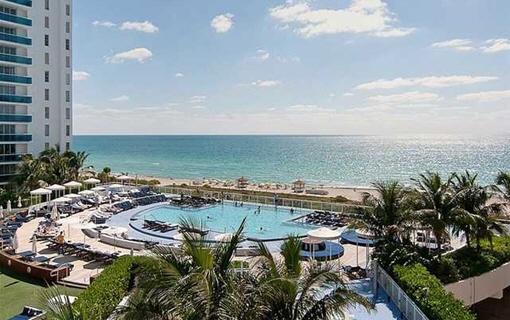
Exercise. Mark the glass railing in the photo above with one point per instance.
(14, 78)
(16, 59)
(15, 118)
(15, 19)
(15, 98)
(10, 157)
(15, 137)
(15, 38)
(27, 3)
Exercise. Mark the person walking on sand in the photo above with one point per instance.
(60, 241)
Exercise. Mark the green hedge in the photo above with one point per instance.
(105, 293)
(429, 294)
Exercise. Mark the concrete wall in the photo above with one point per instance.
(487, 285)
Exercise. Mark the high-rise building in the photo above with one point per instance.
(35, 79)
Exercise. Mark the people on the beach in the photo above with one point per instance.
(60, 241)
(291, 210)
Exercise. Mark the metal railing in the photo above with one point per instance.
(403, 302)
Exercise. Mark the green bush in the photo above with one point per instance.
(105, 293)
(429, 294)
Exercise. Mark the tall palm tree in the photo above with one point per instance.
(387, 214)
(291, 290)
(503, 181)
(436, 204)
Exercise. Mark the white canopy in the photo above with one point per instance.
(56, 187)
(40, 192)
(86, 192)
(223, 237)
(116, 186)
(92, 181)
(1, 212)
(72, 196)
(324, 234)
(72, 184)
(61, 200)
(98, 189)
(124, 177)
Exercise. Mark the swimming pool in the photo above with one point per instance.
(270, 223)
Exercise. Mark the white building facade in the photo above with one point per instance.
(35, 79)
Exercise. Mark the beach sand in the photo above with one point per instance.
(351, 193)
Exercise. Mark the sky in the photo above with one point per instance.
(291, 67)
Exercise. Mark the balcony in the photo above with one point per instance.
(16, 19)
(15, 39)
(15, 137)
(15, 98)
(10, 158)
(27, 3)
(15, 59)
(15, 79)
(15, 118)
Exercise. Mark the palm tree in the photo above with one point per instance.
(59, 307)
(436, 204)
(503, 180)
(287, 289)
(387, 214)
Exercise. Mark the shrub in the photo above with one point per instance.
(105, 293)
(429, 294)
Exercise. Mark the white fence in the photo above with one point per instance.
(403, 302)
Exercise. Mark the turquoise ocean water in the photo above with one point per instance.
(329, 160)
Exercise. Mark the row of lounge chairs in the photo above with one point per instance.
(193, 202)
(9, 226)
(84, 251)
(325, 218)
(150, 199)
(159, 226)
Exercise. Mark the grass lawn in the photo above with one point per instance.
(18, 291)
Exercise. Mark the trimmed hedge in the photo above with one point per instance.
(429, 294)
(105, 293)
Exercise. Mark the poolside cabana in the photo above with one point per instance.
(72, 185)
(57, 188)
(124, 178)
(324, 234)
(298, 186)
(92, 181)
(242, 182)
(40, 192)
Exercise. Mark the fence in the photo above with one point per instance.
(405, 304)
(253, 198)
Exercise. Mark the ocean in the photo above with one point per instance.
(328, 160)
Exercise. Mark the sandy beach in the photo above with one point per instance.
(351, 193)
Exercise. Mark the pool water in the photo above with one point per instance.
(270, 223)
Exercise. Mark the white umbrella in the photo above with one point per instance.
(56, 187)
(223, 237)
(98, 189)
(15, 242)
(1, 212)
(9, 209)
(91, 181)
(34, 245)
(54, 213)
(72, 184)
(123, 178)
(19, 202)
(324, 234)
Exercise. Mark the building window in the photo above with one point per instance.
(7, 89)
(47, 112)
(46, 146)
(68, 44)
(68, 96)
(4, 29)
(47, 4)
(68, 146)
(7, 109)
(46, 76)
(10, 11)
(68, 113)
(7, 70)
(47, 22)
(68, 79)
(68, 10)
(68, 130)
(47, 58)
(47, 130)
(68, 27)
(46, 39)
(68, 62)
(47, 94)
(8, 50)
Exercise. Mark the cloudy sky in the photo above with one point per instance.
(291, 67)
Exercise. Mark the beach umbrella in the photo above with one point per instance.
(34, 245)
(54, 213)
(9, 209)
(19, 202)
(15, 242)
(1, 212)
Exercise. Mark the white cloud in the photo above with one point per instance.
(413, 96)
(145, 26)
(120, 98)
(197, 99)
(178, 75)
(370, 17)
(138, 54)
(496, 45)
(222, 23)
(267, 83)
(456, 44)
(348, 94)
(198, 107)
(309, 108)
(107, 24)
(430, 82)
(80, 75)
(485, 96)
(261, 55)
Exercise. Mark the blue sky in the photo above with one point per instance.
(291, 67)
